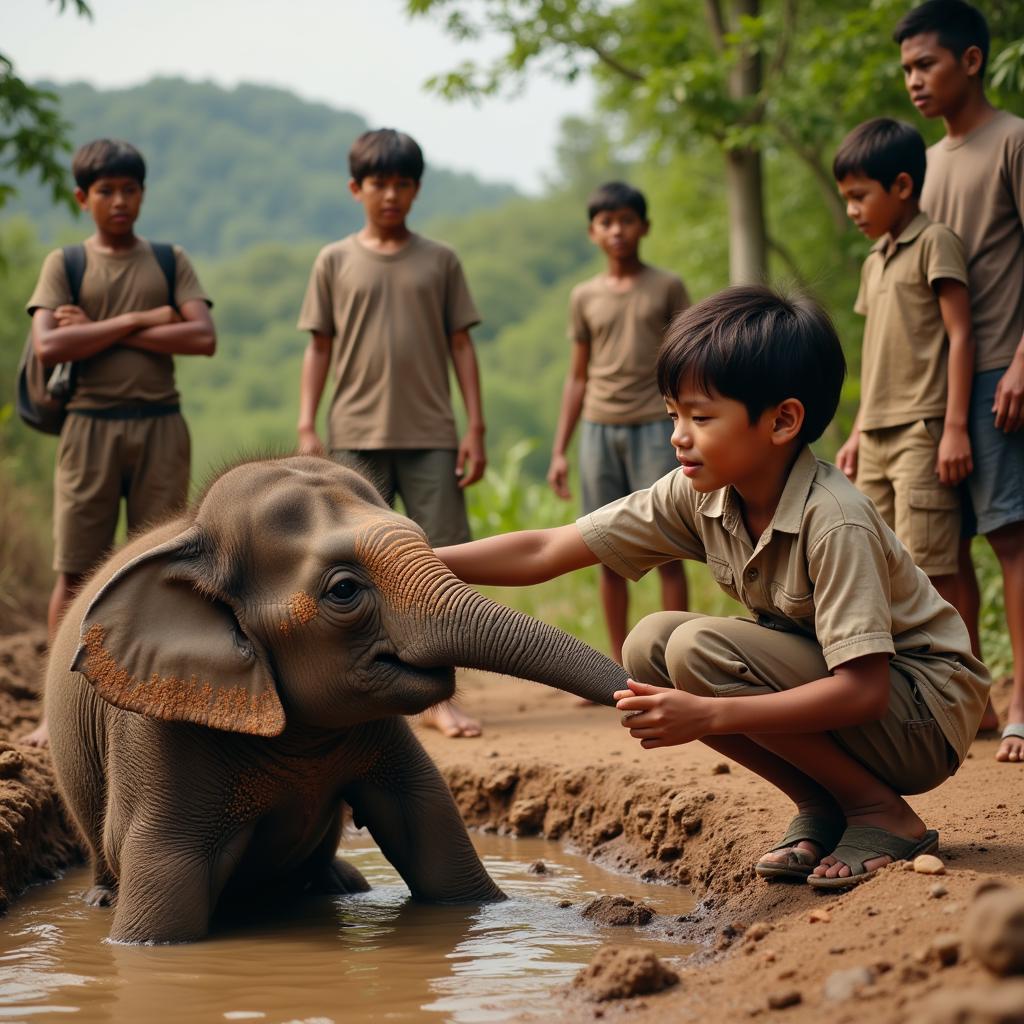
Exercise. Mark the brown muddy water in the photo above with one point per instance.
(327, 960)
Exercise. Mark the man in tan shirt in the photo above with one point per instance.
(975, 185)
(617, 321)
(124, 436)
(386, 309)
(852, 682)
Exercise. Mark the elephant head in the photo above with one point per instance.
(292, 594)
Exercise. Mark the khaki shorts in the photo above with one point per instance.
(425, 480)
(717, 657)
(896, 470)
(99, 462)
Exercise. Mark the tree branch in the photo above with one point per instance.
(606, 58)
(821, 175)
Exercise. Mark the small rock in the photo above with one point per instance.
(721, 769)
(994, 931)
(905, 865)
(538, 867)
(819, 916)
(945, 949)
(937, 891)
(843, 985)
(757, 931)
(782, 1000)
(620, 972)
(929, 864)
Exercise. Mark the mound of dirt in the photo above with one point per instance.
(621, 972)
(618, 910)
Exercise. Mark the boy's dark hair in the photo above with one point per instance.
(759, 347)
(614, 195)
(107, 158)
(385, 151)
(882, 149)
(957, 24)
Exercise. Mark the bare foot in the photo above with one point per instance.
(1011, 749)
(989, 720)
(38, 737)
(897, 818)
(450, 720)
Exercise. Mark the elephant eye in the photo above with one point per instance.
(344, 590)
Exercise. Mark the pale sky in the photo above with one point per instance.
(363, 55)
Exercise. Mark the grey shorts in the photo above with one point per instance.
(424, 478)
(617, 459)
(995, 490)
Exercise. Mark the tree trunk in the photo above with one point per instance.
(748, 236)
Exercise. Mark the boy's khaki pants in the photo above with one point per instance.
(728, 657)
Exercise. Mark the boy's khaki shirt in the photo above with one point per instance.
(116, 283)
(624, 330)
(976, 186)
(391, 317)
(904, 360)
(826, 567)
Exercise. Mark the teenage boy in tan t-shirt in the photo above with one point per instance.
(852, 683)
(386, 309)
(975, 185)
(124, 436)
(617, 320)
(909, 448)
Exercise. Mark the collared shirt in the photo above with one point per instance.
(826, 567)
(905, 354)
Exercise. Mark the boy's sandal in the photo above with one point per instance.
(863, 842)
(798, 864)
(1014, 730)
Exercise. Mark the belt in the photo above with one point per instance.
(141, 411)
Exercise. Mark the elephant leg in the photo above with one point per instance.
(410, 813)
(326, 872)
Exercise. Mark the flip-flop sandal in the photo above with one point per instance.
(863, 842)
(823, 832)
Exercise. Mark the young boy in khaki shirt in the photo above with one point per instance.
(617, 321)
(386, 309)
(124, 436)
(852, 683)
(909, 448)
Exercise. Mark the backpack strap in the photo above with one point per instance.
(74, 268)
(164, 254)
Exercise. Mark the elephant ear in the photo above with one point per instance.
(153, 642)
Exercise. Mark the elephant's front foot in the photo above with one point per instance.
(340, 878)
(101, 896)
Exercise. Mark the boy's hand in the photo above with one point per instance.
(954, 463)
(846, 457)
(471, 450)
(309, 442)
(661, 716)
(1009, 403)
(558, 476)
(69, 316)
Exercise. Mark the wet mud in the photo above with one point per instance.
(546, 767)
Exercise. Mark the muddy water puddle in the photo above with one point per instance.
(332, 960)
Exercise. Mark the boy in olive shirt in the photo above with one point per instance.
(124, 436)
(975, 184)
(617, 320)
(909, 447)
(386, 309)
(852, 682)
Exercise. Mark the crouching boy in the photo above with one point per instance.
(852, 682)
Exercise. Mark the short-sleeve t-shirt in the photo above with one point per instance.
(116, 283)
(624, 331)
(975, 185)
(904, 359)
(827, 567)
(391, 316)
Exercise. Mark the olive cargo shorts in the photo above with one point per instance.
(99, 462)
(718, 657)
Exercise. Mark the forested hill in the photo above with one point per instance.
(232, 167)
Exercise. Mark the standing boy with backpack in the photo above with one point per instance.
(138, 305)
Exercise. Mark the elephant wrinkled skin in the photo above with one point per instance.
(229, 681)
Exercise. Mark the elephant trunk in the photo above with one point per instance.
(469, 630)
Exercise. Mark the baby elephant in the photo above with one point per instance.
(228, 681)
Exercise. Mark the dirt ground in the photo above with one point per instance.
(889, 950)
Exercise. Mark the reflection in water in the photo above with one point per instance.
(369, 957)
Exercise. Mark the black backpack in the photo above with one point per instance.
(43, 392)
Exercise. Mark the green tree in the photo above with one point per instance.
(32, 133)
